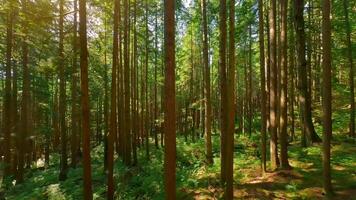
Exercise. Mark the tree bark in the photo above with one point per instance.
(263, 85)
(170, 103)
(327, 98)
(85, 100)
(283, 135)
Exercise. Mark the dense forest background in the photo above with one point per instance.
(177, 99)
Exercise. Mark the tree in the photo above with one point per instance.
(223, 87)
(75, 120)
(25, 98)
(7, 98)
(85, 100)
(230, 106)
(207, 134)
(284, 81)
(263, 85)
(327, 98)
(304, 95)
(62, 96)
(273, 85)
(113, 125)
(170, 103)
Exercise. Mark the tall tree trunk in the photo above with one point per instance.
(113, 125)
(170, 103)
(85, 100)
(146, 118)
(283, 135)
(223, 86)
(273, 86)
(263, 85)
(351, 77)
(327, 98)
(207, 134)
(7, 98)
(230, 106)
(304, 95)
(75, 124)
(62, 97)
(126, 124)
(25, 99)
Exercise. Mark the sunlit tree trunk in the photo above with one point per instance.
(283, 135)
(273, 85)
(207, 134)
(263, 84)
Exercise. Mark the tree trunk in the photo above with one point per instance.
(283, 135)
(273, 86)
(263, 85)
(207, 134)
(230, 106)
(7, 98)
(85, 100)
(62, 97)
(170, 103)
(327, 98)
(304, 95)
(223, 86)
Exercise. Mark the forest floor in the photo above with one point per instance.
(196, 180)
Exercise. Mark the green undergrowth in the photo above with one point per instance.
(194, 177)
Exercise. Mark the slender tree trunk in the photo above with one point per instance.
(113, 126)
(273, 86)
(7, 98)
(62, 97)
(207, 134)
(327, 98)
(75, 124)
(223, 86)
(146, 119)
(230, 106)
(283, 135)
(263, 85)
(25, 99)
(351, 77)
(85, 100)
(170, 103)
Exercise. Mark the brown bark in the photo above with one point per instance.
(304, 95)
(170, 102)
(75, 110)
(223, 87)
(25, 99)
(283, 135)
(85, 100)
(263, 85)
(207, 124)
(230, 106)
(62, 97)
(7, 98)
(113, 125)
(273, 86)
(327, 98)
